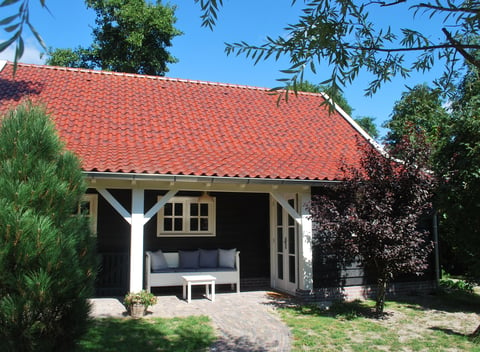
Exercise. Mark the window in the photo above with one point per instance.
(88, 206)
(187, 216)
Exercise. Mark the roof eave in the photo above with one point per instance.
(93, 175)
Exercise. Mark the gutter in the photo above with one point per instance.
(202, 179)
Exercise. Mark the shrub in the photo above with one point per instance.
(456, 285)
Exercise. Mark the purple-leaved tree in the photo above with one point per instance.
(372, 217)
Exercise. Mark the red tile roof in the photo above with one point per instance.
(142, 124)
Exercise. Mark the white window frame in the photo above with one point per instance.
(92, 200)
(186, 232)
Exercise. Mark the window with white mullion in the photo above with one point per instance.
(185, 216)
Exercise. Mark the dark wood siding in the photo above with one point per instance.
(113, 246)
(242, 222)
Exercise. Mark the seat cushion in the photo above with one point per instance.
(208, 258)
(226, 258)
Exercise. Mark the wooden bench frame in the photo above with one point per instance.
(164, 279)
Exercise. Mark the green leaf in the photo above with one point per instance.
(8, 2)
(37, 36)
(13, 27)
(20, 49)
(8, 20)
(7, 43)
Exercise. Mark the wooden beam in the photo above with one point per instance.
(115, 204)
(283, 202)
(159, 205)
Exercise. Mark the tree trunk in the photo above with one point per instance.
(380, 299)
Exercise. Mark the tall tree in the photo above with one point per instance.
(458, 163)
(336, 96)
(420, 111)
(47, 265)
(372, 217)
(368, 124)
(131, 36)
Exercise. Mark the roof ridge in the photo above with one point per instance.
(124, 74)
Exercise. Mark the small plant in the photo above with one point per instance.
(144, 298)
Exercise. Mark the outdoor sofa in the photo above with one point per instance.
(167, 268)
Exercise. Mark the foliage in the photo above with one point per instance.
(458, 164)
(188, 334)
(131, 36)
(143, 297)
(373, 216)
(456, 285)
(47, 264)
(368, 124)
(344, 36)
(78, 58)
(420, 111)
(15, 23)
(336, 96)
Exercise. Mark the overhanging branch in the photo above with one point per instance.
(461, 49)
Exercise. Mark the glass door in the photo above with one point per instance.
(285, 242)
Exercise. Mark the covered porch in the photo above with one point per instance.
(266, 220)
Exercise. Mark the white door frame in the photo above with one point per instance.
(303, 250)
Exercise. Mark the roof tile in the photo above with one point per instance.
(142, 124)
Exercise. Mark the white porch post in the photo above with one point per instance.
(305, 244)
(136, 240)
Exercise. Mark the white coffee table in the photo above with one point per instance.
(190, 280)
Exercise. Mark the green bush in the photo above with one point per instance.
(456, 285)
(47, 267)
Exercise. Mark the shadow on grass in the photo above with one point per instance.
(447, 301)
(338, 309)
(148, 335)
(448, 331)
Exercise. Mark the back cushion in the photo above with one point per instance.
(208, 258)
(226, 258)
(189, 259)
(158, 260)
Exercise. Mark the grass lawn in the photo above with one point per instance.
(148, 335)
(421, 323)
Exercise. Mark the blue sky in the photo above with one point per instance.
(201, 51)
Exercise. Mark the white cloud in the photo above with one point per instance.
(31, 54)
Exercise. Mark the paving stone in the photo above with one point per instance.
(245, 321)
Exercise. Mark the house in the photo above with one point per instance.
(180, 164)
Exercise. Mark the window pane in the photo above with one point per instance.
(193, 224)
(291, 240)
(203, 224)
(178, 224)
(291, 268)
(291, 221)
(167, 224)
(168, 209)
(279, 214)
(279, 239)
(84, 207)
(204, 209)
(280, 266)
(178, 209)
(194, 209)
